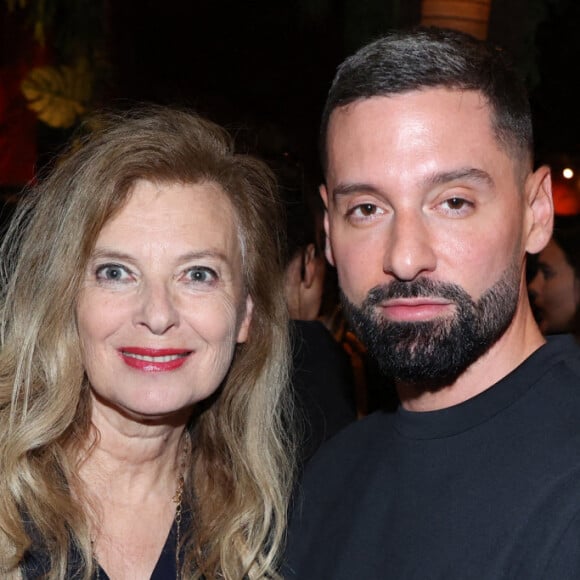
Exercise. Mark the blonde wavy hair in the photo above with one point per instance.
(240, 469)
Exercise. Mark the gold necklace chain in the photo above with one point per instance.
(177, 498)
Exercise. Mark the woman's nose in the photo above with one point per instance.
(157, 310)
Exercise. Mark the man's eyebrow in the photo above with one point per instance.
(440, 178)
(463, 173)
(350, 188)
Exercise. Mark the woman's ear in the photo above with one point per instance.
(246, 321)
(540, 209)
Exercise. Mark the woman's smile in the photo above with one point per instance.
(154, 360)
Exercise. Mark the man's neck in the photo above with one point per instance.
(519, 341)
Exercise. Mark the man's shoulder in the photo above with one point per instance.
(556, 366)
(561, 347)
(358, 443)
(349, 439)
(565, 348)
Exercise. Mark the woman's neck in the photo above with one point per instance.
(132, 459)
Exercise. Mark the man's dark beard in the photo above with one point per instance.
(432, 354)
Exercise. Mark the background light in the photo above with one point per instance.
(568, 173)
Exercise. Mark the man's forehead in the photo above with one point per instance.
(447, 114)
(407, 121)
(385, 102)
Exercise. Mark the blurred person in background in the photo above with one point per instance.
(555, 287)
(322, 375)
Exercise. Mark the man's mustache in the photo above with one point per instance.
(420, 288)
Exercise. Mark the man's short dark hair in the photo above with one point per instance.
(432, 57)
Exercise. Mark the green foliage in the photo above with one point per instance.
(74, 32)
(73, 28)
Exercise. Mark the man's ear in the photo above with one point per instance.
(540, 209)
(327, 245)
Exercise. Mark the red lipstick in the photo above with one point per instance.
(153, 360)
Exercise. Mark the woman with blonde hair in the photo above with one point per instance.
(144, 361)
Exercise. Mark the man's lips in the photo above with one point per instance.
(152, 359)
(415, 309)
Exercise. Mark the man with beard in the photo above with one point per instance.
(432, 203)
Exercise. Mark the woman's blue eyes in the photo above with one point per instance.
(118, 273)
(112, 272)
(202, 275)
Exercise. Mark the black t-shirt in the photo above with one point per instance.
(488, 489)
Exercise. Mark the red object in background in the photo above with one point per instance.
(566, 197)
(17, 131)
(19, 54)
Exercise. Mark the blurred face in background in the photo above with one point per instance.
(554, 290)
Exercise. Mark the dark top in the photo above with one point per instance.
(165, 569)
(488, 489)
(36, 564)
(323, 385)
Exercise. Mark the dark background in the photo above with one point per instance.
(270, 63)
(262, 68)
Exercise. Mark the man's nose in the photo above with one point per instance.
(409, 251)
